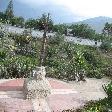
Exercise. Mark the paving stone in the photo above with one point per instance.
(12, 85)
(56, 84)
(63, 97)
(59, 102)
(15, 105)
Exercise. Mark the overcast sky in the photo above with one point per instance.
(84, 8)
(62, 10)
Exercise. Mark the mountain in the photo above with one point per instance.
(96, 23)
(59, 14)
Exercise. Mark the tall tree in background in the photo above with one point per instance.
(45, 22)
(107, 31)
(9, 10)
(18, 21)
(31, 23)
(41, 23)
(82, 30)
(2, 17)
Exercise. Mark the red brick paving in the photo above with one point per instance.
(12, 85)
(57, 102)
(17, 85)
(55, 84)
(15, 105)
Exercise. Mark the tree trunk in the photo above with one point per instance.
(44, 43)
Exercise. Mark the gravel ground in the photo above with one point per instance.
(91, 89)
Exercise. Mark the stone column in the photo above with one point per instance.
(38, 86)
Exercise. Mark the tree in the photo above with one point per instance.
(107, 32)
(23, 39)
(60, 28)
(9, 10)
(2, 17)
(82, 30)
(50, 25)
(18, 21)
(21, 21)
(107, 29)
(107, 46)
(31, 23)
(42, 21)
(75, 30)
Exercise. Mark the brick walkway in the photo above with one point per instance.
(56, 84)
(12, 85)
(59, 102)
(62, 97)
(15, 105)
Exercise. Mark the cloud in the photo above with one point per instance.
(85, 8)
(35, 3)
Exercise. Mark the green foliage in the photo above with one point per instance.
(3, 54)
(23, 39)
(2, 17)
(64, 60)
(83, 30)
(107, 31)
(56, 39)
(68, 59)
(89, 56)
(97, 106)
(9, 18)
(42, 22)
(31, 23)
(13, 64)
(107, 46)
(9, 10)
(17, 21)
(108, 90)
(61, 28)
(17, 67)
(95, 73)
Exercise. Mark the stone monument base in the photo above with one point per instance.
(38, 86)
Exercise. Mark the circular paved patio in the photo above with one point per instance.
(63, 96)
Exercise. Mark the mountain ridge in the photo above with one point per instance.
(59, 14)
(97, 23)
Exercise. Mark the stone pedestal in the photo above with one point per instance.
(37, 86)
